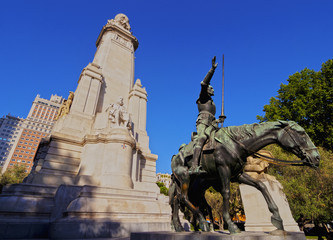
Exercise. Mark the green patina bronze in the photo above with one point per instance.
(223, 161)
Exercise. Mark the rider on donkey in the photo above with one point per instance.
(206, 121)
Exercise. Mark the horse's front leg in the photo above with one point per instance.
(197, 215)
(183, 197)
(209, 210)
(174, 203)
(273, 208)
(224, 173)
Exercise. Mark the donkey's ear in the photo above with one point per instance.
(283, 123)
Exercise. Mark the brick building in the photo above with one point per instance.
(36, 126)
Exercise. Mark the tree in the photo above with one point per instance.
(13, 175)
(215, 200)
(309, 191)
(308, 100)
(163, 189)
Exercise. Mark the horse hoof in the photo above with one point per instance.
(179, 229)
(277, 222)
(204, 227)
(233, 229)
(237, 231)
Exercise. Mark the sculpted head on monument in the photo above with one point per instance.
(121, 20)
(120, 101)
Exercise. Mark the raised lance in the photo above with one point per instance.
(222, 117)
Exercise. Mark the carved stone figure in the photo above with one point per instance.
(257, 168)
(118, 114)
(122, 21)
(66, 106)
(69, 102)
(61, 111)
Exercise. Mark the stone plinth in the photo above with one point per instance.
(108, 159)
(100, 212)
(258, 217)
(215, 236)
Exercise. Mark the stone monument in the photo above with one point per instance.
(258, 218)
(95, 176)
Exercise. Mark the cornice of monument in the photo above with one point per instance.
(92, 70)
(122, 28)
(119, 137)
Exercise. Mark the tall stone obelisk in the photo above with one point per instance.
(101, 83)
(95, 176)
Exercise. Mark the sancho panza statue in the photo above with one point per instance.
(206, 121)
(118, 114)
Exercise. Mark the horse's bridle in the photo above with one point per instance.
(276, 160)
(302, 150)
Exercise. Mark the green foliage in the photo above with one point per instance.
(236, 205)
(13, 175)
(215, 200)
(308, 100)
(309, 191)
(163, 189)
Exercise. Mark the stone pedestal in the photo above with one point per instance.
(108, 159)
(258, 217)
(215, 236)
(108, 212)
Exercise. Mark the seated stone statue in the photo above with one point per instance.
(118, 114)
(257, 168)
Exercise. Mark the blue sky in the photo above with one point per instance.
(44, 46)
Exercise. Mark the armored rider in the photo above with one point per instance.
(206, 118)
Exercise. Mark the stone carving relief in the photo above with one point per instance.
(121, 41)
(118, 115)
(257, 168)
(121, 20)
(66, 106)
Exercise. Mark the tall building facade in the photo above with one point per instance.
(10, 130)
(36, 126)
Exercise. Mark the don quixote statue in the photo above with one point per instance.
(217, 156)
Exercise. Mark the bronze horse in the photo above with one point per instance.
(225, 163)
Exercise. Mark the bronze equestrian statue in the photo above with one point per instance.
(224, 162)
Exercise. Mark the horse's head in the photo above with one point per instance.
(296, 140)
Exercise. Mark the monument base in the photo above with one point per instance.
(215, 236)
(79, 212)
(258, 217)
(105, 229)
